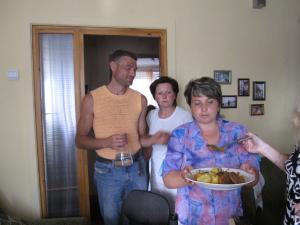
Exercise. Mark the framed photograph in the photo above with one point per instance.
(259, 90)
(222, 76)
(243, 87)
(257, 109)
(229, 101)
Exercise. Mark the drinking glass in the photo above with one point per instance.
(123, 159)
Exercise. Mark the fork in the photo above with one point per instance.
(222, 148)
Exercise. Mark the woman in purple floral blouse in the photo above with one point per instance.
(188, 149)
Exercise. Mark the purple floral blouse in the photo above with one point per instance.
(200, 206)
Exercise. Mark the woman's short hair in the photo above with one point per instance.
(203, 86)
(161, 80)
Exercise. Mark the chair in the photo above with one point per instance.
(147, 208)
(250, 208)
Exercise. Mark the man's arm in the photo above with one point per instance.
(146, 140)
(142, 125)
(85, 124)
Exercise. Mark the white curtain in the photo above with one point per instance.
(59, 124)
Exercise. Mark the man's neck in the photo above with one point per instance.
(116, 89)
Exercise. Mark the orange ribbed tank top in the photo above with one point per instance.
(116, 114)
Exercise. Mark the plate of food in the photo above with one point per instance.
(216, 178)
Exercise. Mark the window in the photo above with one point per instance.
(147, 72)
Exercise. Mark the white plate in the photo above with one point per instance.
(247, 176)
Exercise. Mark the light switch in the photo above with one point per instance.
(13, 74)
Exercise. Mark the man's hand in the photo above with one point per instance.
(161, 137)
(118, 141)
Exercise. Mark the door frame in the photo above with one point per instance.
(78, 33)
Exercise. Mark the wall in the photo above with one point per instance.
(262, 45)
(202, 36)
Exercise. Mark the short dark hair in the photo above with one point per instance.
(203, 86)
(119, 53)
(116, 55)
(162, 80)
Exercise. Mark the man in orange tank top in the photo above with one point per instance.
(116, 115)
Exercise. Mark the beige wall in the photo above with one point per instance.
(202, 36)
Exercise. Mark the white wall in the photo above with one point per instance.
(262, 45)
(202, 36)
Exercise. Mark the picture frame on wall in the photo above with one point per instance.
(229, 101)
(257, 109)
(259, 90)
(222, 76)
(243, 87)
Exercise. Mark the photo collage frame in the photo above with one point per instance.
(224, 77)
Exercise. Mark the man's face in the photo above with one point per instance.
(124, 70)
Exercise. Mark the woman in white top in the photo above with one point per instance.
(164, 119)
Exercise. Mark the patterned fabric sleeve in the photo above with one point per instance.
(175, 156)
(292, 187)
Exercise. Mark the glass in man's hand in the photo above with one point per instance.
(123, 159)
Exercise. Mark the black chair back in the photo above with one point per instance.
(147, 208)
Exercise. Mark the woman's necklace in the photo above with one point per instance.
(211, 135)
